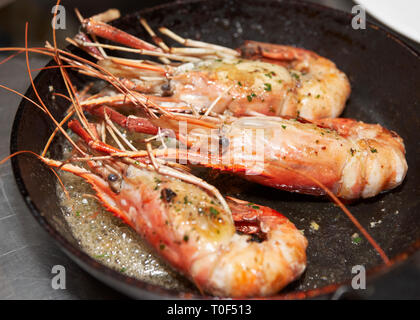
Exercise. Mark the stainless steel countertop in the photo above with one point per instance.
(27, 253)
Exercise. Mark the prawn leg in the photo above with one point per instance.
(109, 32)
(131, 123)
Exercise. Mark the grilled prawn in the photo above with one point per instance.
(352, 159)
(193, 229)
(258, 78)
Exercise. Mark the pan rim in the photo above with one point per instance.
(87, 262)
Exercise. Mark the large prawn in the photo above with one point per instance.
(193, 229)
(352, 159)
(258, 78)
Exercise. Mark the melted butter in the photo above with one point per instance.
(110, 241)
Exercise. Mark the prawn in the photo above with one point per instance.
(256, 79)
(351, 158)
(192, 229)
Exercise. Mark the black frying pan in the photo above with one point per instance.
(384, 74)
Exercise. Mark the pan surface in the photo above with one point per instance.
(384, 75)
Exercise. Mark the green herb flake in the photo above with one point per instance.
(295, 75)
(269, 74)
(267, 87)
(123, 269)
(77, 213)
(280, 81)
(162, 246)
(239, 84)
(352, 151)
(249, 98)
(186, 201)
(318, 96)
(253, 206)
(283, 126)
(373, 150)
(356, 240)
(213, 211)
(186, 238)
(158, 180)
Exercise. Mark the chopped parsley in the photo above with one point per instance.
(267, 86)
(373, 150)
(213, 211)
(283, 126)
(253, 206)
(356, 240)
(295, 75)
(186, 238)
(252, 95)
(239, 84)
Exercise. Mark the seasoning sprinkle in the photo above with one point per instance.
(213, 211)
(267, 86)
